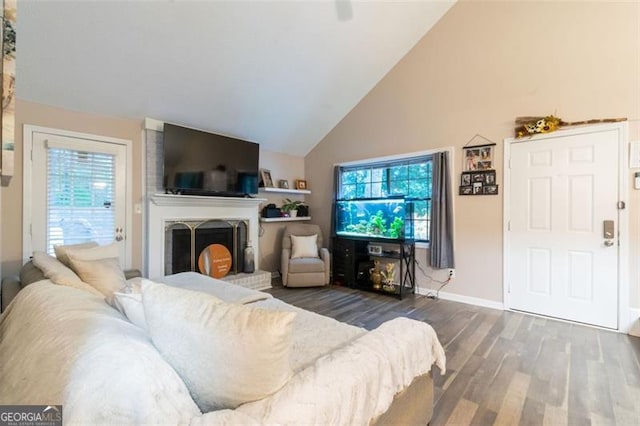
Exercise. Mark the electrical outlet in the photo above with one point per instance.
(452, 273)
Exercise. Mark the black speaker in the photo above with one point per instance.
(303, 210)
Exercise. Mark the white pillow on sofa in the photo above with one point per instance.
(53, 269)
(130, 303)
(61, 251)
(226, 354)
(99, 267)
(304, 246)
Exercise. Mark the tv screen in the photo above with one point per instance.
(201, 163)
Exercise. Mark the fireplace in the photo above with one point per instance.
(186, 240)
(231, 222)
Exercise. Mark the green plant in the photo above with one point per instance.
(289, 204)
(377, 224)
(396, 229)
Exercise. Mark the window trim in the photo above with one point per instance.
(399, 157)
(27, 166)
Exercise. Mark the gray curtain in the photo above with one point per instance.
(441, 232)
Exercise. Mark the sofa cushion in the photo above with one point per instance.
(305, 264)
(61, 250)
(227, 354)
(99, 267)
(304, 246)
(53, 269)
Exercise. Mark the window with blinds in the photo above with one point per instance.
(408, 177)
(80, 197)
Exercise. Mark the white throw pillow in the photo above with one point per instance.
(130, 304)
(94, 252)
(304, 246)
(61, 251)
(53, 269)
(226, 354)
(99, 267)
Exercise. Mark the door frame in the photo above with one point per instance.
(27, 164)
(623, 215)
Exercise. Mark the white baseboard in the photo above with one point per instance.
(633, 327)
(463, 299)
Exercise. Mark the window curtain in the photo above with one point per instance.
(441, 231)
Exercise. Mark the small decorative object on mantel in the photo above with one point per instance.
(528, 126)
(265, 178)
(283, 183)
(478, 176)
(301, 184)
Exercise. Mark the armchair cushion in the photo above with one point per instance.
(305, 246)
(306, 264)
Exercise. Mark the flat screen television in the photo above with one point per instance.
(202, 163)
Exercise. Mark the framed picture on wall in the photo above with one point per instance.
(477, 158)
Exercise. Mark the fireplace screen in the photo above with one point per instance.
(185, 241)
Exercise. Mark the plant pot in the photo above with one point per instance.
(293, 213)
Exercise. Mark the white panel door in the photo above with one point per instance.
(79, 192)
(562, 190)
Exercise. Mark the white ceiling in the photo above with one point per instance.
(281, 73)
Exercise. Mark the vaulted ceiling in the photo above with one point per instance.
(281, 73)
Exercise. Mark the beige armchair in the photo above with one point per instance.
(304, 271)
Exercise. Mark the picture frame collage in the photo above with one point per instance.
(479, 183)
(478, 176)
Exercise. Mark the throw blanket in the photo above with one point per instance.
(356, 383)
(230, 293)
(60, 345)
(66, 346)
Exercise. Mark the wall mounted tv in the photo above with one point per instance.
(201, 163)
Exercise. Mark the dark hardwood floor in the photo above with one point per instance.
(504, 368)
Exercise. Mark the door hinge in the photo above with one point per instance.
(621, 205)
(508, 225)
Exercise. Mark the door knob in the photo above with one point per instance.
(608, 243)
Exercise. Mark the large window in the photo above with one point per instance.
(409, 177)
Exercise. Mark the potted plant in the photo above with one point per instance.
(291, 206)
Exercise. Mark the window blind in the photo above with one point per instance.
(80, 197)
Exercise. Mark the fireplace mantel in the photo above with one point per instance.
(165, 208)
(194, 200)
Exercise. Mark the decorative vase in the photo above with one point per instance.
(375, 275)
(249, 259)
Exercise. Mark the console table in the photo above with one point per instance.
(352, 261)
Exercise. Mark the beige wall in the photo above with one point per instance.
(48, 116)
(481, 66)
(282, 166)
